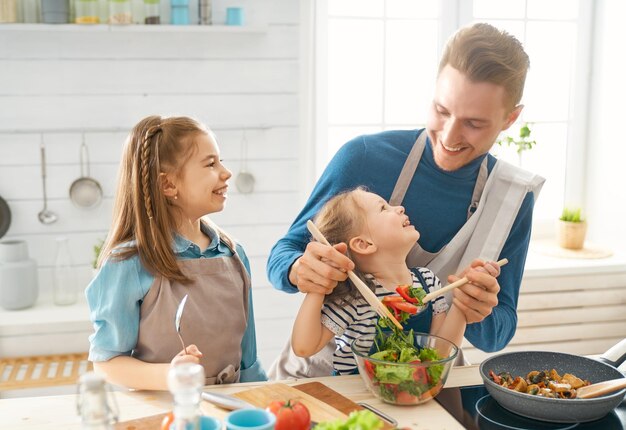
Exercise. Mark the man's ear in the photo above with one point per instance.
(512, 117)
(362, 245)
(167, 186)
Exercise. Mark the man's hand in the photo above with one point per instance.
(320, 268)
(479, 296)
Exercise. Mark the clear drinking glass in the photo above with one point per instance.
(64, 277)
(120, 12)
(87, 12)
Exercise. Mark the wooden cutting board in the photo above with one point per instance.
(324, 404)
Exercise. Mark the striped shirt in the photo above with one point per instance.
(358, 318)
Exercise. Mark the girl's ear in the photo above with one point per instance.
(167, 186)
(362, 245)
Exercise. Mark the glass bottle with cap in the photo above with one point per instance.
(185, 382)
(97, 410)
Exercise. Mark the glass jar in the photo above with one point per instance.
(55, 11)
(29, 11)
(87, 12)
(64, 278)
(8, 11)
(152, 11)
(96, 406)
(120, 12)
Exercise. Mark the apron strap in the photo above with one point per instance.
(408, 170)
(410, 165)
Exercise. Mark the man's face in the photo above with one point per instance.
(465, 118)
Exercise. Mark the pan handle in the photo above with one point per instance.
(616, 355)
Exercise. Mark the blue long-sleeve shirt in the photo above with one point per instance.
(436, 202)
(115, 295)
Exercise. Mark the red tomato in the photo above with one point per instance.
(290, 415)
(167, 421)
(406, 398)
(370, 368)
(420, 374)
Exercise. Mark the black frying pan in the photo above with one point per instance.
(556, 410)
(5, 217)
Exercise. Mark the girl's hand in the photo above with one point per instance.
(192, 356)
(479, 296)
(320, 268)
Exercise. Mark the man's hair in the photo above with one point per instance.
(486, 54)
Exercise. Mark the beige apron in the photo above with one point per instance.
(215, 316)
(498, 195)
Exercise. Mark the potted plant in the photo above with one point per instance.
(97, 249)
(572, 229)
(522, 142)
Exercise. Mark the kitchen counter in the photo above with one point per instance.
(59, 412)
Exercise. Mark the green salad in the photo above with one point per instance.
(403, 384)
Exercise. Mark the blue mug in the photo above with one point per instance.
(250, 419)
(234, 16)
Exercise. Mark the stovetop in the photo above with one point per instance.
(475, 409)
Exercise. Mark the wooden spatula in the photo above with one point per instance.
(600, 388)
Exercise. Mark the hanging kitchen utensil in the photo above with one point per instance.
(5, 217)
(85, 192)
(45, 216)
(244, 180)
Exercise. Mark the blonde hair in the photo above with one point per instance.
(340, 219)
(141, 212)
(486, 54)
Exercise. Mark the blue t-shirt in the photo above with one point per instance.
(116, 293)
(436, 202)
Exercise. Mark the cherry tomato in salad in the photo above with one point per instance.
(370, 368)
(290, 415)
(406, 398)
(420, 374)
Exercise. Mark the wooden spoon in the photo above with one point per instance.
(600, 388)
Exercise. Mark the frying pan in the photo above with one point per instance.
(556, 410)
(5, 217)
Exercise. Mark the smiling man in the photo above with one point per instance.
(466, 204)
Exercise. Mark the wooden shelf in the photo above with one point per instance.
(42, 370)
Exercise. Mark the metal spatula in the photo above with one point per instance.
(179, 315)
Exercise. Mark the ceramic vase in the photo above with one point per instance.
(18, 276)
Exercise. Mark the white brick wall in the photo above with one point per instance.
(61, 81)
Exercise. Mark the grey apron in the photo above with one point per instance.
(215, 316)
(498, 195)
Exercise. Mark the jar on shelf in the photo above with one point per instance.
(29, 11)
(87, 12)
(55, 11)
(18, 276)
(120, 12)
(8, 11)
(152, 11)
(204, 12)
(64, 277)
(180, 12)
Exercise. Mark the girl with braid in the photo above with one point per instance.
(161, 248)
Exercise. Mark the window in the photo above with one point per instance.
(379, 59)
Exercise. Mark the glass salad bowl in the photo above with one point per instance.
(404, 368)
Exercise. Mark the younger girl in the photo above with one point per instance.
(158, 250)
(379, 237)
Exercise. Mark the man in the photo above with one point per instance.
(466, 204)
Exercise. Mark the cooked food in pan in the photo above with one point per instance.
(541, 383)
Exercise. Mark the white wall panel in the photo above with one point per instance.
(66, 82)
